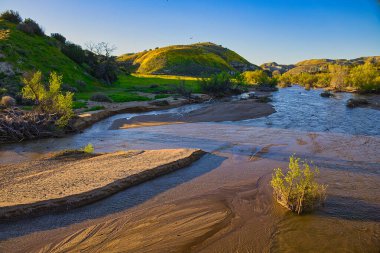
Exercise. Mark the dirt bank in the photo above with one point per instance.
(221, 111)
(55, 183)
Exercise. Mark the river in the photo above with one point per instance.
(223, 202)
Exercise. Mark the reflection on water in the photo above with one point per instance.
(343, 142)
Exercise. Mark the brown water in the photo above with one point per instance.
(223, 203)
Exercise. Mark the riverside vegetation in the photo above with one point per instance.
(297, 190)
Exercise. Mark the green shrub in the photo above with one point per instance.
(365, 78)
(100, 97)
(74, 52)
(183, 90)
(220, 84)
(11, 16)
(31, 27)
(58, 37)
(297, 190)
(51, 100)
(89, 149)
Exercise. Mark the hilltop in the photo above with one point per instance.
(187, 60)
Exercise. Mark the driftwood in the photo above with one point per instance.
(17, 125)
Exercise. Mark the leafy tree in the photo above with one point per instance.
(220, 84)
(11, 16)
(51, 100)
(31, 27)
(259, 77)
(339, 76)
(58, 37)
(365, 77)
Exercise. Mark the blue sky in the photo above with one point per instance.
(261, 31)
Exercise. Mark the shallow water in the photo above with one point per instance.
(232, 180)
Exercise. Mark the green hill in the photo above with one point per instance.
(21, 52)
(187, 60)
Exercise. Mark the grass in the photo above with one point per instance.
(159, 96)
(79, 104)
(127, 97)
(31, 53)
(124, 89)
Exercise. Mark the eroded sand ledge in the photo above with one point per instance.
(218, 112)
(52, 183)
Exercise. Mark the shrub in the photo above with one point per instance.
(51, 100)
(365, 78)
(181, 89)
(11, 16)
(31, 27)
(89, 149)
(297, 190)
(8, 101)
(58, 37)
(259, 77)
(67, 87)
(100, 97)
(74, 52)
(219, 84)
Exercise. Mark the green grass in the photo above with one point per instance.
(127, 97)
(79, 104)
(124, 89)
(159, 96)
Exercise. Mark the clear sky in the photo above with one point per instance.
(260, 30)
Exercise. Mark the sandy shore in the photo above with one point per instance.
(218, 112)
(56, 183)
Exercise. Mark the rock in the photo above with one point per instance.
(327, 94)
(6, 68)
(8, 101)
(200, 97)
(355, 102)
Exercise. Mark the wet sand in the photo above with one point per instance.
(218, 112)
(223, 202)
(75, 179)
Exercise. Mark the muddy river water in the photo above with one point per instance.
(223, 202)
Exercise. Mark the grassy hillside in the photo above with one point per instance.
(24, 52)
(187, 60)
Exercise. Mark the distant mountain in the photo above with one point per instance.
(274, 67)
(321, 65)
(189, 60)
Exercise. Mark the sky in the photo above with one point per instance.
(260, 30)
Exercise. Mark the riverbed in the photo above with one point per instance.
(223, 202)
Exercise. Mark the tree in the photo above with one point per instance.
(11, 16)
(103, 64)
(339, 75)
(51, 100)
(365, 77)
